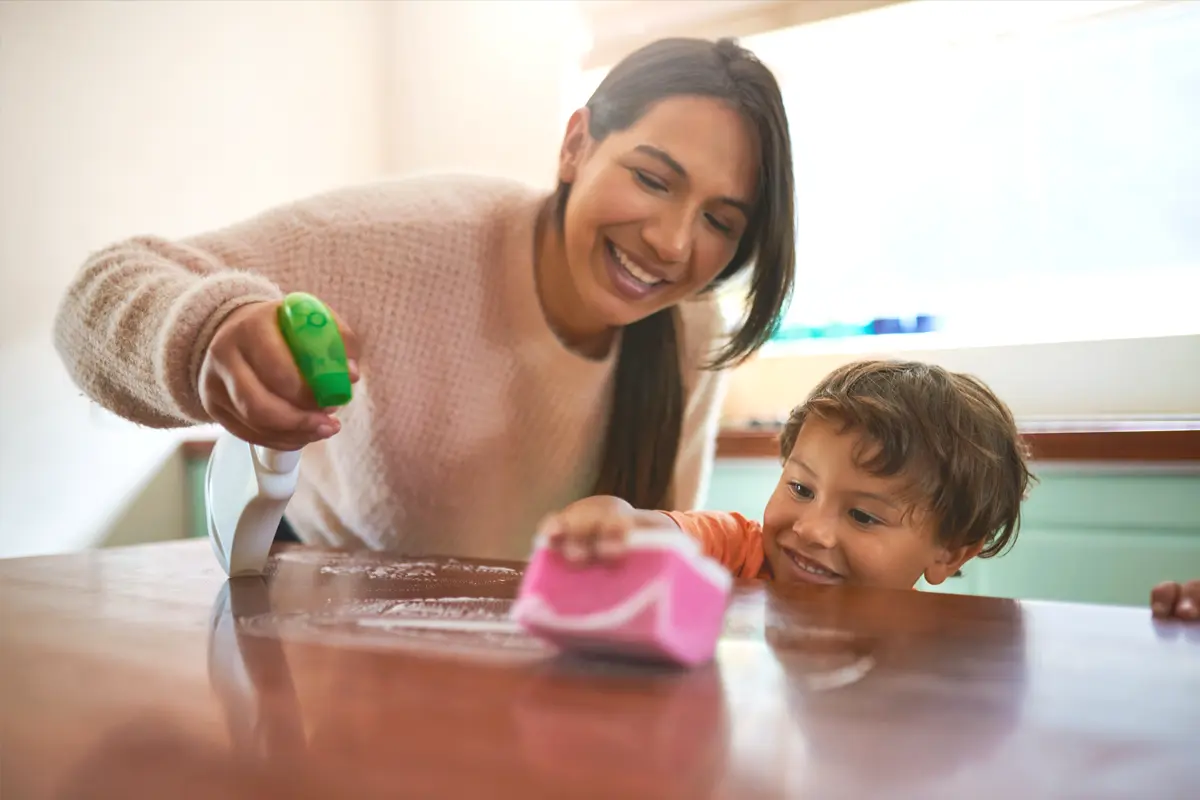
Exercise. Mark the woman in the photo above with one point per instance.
(513, 351)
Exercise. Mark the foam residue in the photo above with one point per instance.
(395, 572)
(463, 626)
(459, 625)
(374, 567)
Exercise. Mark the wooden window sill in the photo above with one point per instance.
(1141, 440)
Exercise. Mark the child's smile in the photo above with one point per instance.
(831, 521)
(808, 570)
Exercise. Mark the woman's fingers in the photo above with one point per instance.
(250, 384)
(262, 410)
(350, 340)
(229, 419)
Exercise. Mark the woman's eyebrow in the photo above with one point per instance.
(673, 165)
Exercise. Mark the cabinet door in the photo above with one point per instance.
(1089, 565)
(197, 509)
(742, 484)
(1098, 536)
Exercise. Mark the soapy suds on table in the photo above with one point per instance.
(446, 572)
(477, 627)
(387, 572)
(374, 567)
(463, 626)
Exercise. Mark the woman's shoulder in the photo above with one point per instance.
(425, 202)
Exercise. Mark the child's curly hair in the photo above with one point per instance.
(946, 432)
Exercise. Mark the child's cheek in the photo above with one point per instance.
(770, 550)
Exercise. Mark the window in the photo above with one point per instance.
(1022, 172)
(1025, 172)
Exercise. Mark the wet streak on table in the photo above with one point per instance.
(141, 672)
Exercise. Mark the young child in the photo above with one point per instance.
(892, 471)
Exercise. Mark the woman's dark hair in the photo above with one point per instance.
(646, 422)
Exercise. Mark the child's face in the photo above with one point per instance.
(829, 521)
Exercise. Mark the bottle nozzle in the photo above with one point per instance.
(278, 461)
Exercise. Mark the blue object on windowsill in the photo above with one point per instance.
(922, 323)
(886, 325)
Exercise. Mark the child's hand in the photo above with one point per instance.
(597, 528)
(1171, 599)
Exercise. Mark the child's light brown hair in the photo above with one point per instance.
(955, 442)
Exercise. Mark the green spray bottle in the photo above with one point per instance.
(247, 487)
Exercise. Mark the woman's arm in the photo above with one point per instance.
(137, 319)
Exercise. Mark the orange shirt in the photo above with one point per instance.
(727, 537)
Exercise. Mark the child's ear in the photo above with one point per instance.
(574, 146)
(950, 561)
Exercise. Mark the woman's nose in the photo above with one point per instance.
(670, 235)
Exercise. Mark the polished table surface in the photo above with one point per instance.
(143, 672)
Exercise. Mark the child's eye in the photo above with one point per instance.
(863, 518)
(648, 180)
(800, 490)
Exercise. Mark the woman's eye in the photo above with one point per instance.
(648, 180)
(863, 518)
(716, 223)
(800, 490)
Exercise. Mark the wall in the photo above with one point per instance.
(120, 118)
(1127, 377)
(160, 511)
(477, 86)
(1075, 363)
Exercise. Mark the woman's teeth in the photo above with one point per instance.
(633, 269)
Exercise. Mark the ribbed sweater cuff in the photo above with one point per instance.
(190, 325)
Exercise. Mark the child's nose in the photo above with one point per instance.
(816, 527)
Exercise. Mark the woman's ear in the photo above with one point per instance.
(949, 561)
(574, 146)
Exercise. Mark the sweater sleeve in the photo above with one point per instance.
(702, 329)
(137, 319)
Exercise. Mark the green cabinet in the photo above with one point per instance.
(197, 513)
(1098, 534)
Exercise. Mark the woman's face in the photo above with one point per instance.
(656, 211)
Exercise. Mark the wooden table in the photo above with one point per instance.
(141, 672)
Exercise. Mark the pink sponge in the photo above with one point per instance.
(662, 601)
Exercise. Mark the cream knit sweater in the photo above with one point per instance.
(471, 419)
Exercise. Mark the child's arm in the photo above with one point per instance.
(1170, 599)
(596, 528)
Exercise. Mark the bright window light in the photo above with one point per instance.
(1009, 172)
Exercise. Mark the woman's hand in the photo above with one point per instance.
(250, 385)
(1182, 601)
(597, 528)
